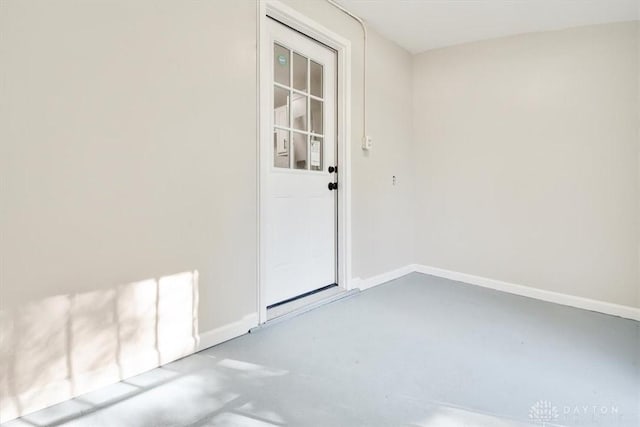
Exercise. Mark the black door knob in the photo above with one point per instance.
(333, 186)
(333, 169)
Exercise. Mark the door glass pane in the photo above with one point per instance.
(315, 156)
(316, 116)
(316, 79)
(280, 148)
(280, 106)
(299, 72)
(299, 150)
(299, 108)
(281, 64)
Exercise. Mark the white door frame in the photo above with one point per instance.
(299, 22)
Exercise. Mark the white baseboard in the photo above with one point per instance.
(624, 311)
(227, 332)
(370, 282)
(556, 297)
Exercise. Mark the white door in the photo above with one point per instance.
(300, 248)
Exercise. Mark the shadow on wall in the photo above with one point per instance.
(63, 346)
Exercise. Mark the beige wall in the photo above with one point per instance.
(118, 123)
(128, 182)
(528, 154)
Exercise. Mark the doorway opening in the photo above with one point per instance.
(304, 185)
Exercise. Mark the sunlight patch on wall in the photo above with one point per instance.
(177, 329)
(137, 319)
(60, 347)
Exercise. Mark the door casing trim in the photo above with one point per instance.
(342, 46)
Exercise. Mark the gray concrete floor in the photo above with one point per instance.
(417, 351)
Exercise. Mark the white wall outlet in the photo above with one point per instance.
(367, 143)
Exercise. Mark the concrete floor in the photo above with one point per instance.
(417, 351)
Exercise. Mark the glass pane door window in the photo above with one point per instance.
(298, 109)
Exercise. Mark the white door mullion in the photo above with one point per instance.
(308, 115)
(291, 150)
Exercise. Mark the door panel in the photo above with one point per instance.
(301, 224)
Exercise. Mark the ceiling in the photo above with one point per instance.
(419, 25)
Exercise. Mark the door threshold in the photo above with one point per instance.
(303, 296)
(301, 301)
(303, 305)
